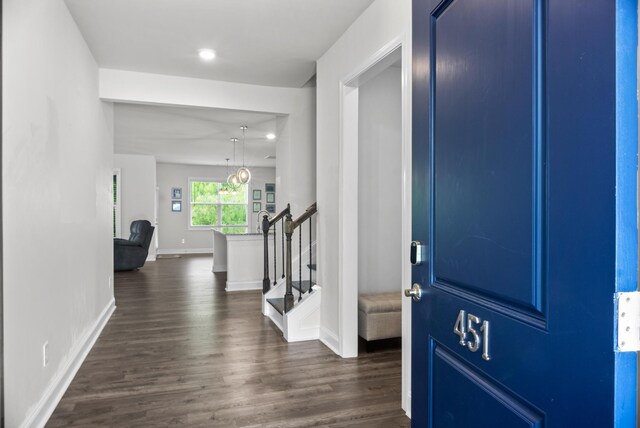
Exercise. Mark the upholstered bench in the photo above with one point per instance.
(379, 315)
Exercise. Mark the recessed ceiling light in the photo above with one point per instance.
(271, 136)
(207, 54)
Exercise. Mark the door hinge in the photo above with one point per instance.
(628, 316)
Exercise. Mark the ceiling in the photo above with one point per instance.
(262, 42)
(195, 136)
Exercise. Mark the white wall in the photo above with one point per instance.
(57, 173)
(383, 22)
(174, 226)
(380, 28)
(296, 154)
(380, 183)
(138, 192)
(295, 150)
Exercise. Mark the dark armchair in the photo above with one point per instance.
(130, 254)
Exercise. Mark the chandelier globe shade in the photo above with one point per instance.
(233, 179)
(244, 175)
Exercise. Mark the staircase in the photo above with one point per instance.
(292, 302)
(299, 287)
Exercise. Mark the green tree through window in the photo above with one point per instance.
(218, 205)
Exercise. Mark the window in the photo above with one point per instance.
(214, 204)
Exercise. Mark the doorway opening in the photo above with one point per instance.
(375, 204)
(380, 206)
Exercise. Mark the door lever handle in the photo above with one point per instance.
(415, 292)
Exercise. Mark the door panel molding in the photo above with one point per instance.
(518, 313)
(469, 248)
(481, 393)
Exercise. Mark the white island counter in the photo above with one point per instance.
(219, 252)
(244, 260)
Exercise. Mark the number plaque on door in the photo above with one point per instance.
(467, 324)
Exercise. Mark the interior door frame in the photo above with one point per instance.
(348, 205)
(1, 247)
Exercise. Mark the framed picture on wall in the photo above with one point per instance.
(271, 198)
(176, 206)
(257, 206)
(176, 193)
(271, 208)
(270, 187)
(257, 194)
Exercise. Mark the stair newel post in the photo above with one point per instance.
(282, 238)
(266, 282)
(288, 297)
(275, 253)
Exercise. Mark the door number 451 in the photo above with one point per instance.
(466, 324)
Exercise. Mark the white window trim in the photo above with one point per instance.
(216, 227)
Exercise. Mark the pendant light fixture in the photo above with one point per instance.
(224, 190)
(243, 174)
(233, 178)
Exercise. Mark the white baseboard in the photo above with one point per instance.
(408, 409)
(151, 258)
(59, 384)
(330, 339)
(243, 285)
(219, 268)
(185, 251)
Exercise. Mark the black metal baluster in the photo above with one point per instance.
(310, 254)
(282, 238)
(300, 262)
(275, 253)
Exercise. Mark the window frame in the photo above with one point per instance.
(220, 204)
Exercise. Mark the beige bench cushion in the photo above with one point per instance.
(380, 302)
(379, 315)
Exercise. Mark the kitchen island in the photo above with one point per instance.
(244, 259)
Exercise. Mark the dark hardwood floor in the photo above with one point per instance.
(180, 351)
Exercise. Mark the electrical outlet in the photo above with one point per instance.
(183, 240)
(45, 354)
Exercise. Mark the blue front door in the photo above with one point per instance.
(524, 148)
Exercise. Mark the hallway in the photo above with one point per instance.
(180, 351)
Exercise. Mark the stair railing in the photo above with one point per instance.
(267, 224)
(290, 226)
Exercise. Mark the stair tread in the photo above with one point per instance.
(277, 303)
(311, 266)
(306, 285)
